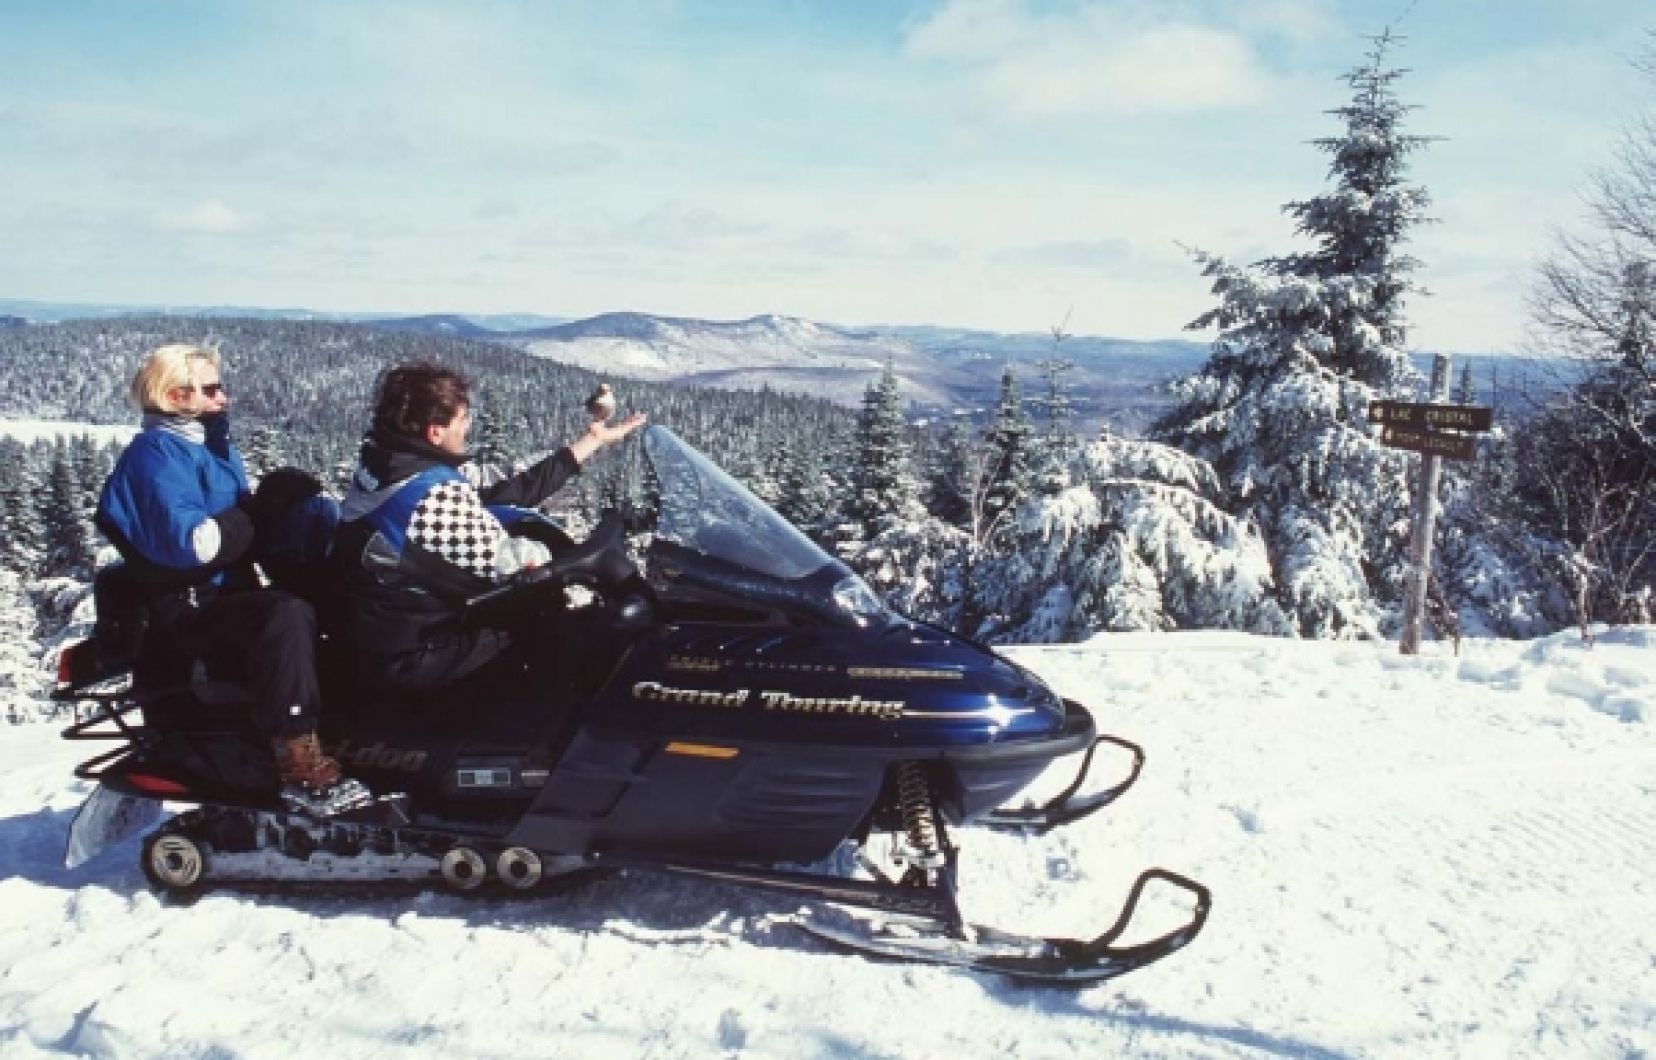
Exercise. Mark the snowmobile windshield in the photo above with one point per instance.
(703, 509)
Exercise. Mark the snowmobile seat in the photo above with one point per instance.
(122, 618)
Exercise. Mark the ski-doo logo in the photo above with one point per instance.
(379, 756)
(884, 709)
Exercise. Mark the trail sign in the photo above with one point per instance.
(1420, 415)
(1433, 443)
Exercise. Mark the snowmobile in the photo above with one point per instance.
(743, 709)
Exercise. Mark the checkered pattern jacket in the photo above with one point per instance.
(418, 536)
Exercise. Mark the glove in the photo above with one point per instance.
(280, 492)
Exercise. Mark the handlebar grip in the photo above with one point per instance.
(599, 560)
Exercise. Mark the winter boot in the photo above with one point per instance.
(312, 782)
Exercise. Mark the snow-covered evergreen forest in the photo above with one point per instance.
(1263, 501)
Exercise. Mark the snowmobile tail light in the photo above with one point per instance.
(74, 661)
(154, 785)
(854, 597)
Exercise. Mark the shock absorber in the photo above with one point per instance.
(925, 846)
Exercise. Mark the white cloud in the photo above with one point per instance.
(973, 29)
(1301, 21)
(1091, 59)
(211, 216)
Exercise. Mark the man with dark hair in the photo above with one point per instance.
(419, 535)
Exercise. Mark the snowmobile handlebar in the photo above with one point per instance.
(599, 563)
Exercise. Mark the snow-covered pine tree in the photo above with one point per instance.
(262, 453)
(67, 519)
(885, 488)
(920, 567)
(906, 556)
(804, 493)
(952, 458)
(91, 462)
(1057, 445)
(488, 446)
(767, 484)
(1137, 543)
(22, 681)
(1487, 560)
(1305, 342)
(1466, 391)
(22, 535)
(1005, 475)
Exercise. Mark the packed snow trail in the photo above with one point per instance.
(1422, 857)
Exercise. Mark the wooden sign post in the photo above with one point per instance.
(1420, 428)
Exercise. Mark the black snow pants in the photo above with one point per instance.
(270, 636)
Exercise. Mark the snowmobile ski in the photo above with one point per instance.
(921, 921)
(1020, 957)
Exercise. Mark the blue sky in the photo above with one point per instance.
(987, 163)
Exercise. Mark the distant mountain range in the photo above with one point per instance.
(53, 312)
(944, 371)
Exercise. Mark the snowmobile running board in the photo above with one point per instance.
(1066, 808)
(929, 927)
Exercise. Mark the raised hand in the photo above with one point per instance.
(610, 433)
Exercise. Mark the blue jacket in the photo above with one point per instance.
(174, 476)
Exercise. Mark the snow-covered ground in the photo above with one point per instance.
(29, 431)
(1426, 857)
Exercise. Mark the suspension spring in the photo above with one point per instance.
(919, 817)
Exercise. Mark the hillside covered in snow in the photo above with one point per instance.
(941, 371)
(1438, 856)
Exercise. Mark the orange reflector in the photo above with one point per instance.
(701, 750)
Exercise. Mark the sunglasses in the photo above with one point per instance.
(211, 390)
